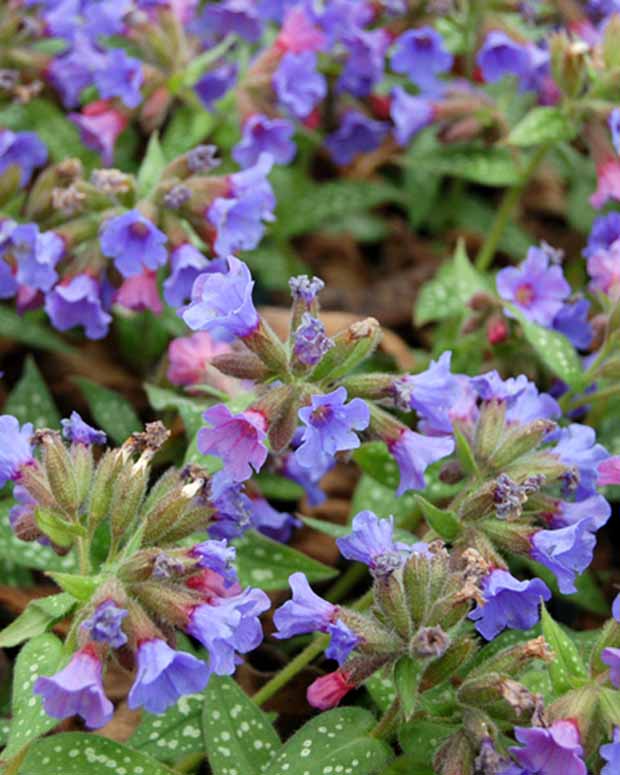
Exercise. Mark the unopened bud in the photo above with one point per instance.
(101, 492)
(240, 365)
(568, 63)
(455, 756)
(430, 642)
(489, 428)
(497, 329)
(351, 347)
(611, 36)
(264, 342)
(455, 656)
(451, 472)
(59, 469)
(393, 608)
(519, 440)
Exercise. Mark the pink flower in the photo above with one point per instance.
(140, 292)
(608, 174)
(299, 34)
(609, 471)
(604, 269)
(327, 691)
(100, 124)
(190, 358)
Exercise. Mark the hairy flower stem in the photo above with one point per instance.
(506, 208)
(385, 725)
(303, 659)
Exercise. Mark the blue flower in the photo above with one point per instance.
(262, 134)
(422, 56)
(508, 603)
(215, 84)
(309, 341)
(365, 63)
(78, 302)
(576, 446)
(134, 243)
(298, 84)
(106, 624)
(330, 426)
(22, 149)
(120, 76)
(414, 453)
(611, 753)
(572, 321)
(356, 134)
(77, 431)
(410, 114)
(15, 449)
(219, 557)
(305, 612)
(240, 17)
(500, 55)
(342, 641)
(36, 254)
(186, 263)
(614, 128)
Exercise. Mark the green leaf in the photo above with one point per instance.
(464, 451)
(489, 166)
(151, 168)
(382, 690)
(80, 587)
(79, 753)
(28, 330)
(420, 739)
(42, 655)
(407, 765)
(61, 532)
(278, 487)
(187, 128)
(554, 351)
(112, 411)
(609, 701)
(29, 554)
(175, 733)
(542, 125)
(568, 663)
(371, 494)
(36, 618)
(30, 399)
(469, 280)
(5, 728)
(445, 523)
(237, 732)
(142, 337)
(267, 564)
(190, 409)
(407, 674)
(337, 739)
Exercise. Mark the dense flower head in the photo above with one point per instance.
(78, 302)
(21, 149)
(298, 84)
(134, 243)
(229, 625)
(106, 624)
(414, 453)
(356, 134)
(222, 303)
(550, 750)
(15, 449)
(508, 602)
(77, 690)
(537, 289)
(262, 134)
(329, 427)
(237, 439)
(77, 431)
(410, 114)
(164, 675)
(422, 56)
(304, 288)
(218, 557)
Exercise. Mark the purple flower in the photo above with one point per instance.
(238, 218)
(237, 439)
(329, 427)
(614, 128)
(611, 753)
(491, 386)
(500, 55)
(508, 602)
(615, 608)
(276, 525)
(77, 431)
(409, 114)
(297, 83)
(604, 271)
(134, 243)
(365, 63)
(576, 446)
(596, 508)
(339, 17)
(305, 612)
(262, 134)
(305, 477)
(611, 657)
(414, 453)
(552, 750)
(100, 124)
(342, 642)
(422, 56)
(222, 303)
(218, 557)
(77, 690)
(120, 76)
(186, 263)
(215, 84)
(572, 321)
(71, 73)
(310, 342)
(8, 283)
(15, 449)
(23, 150)
(372, 542)
(164, 675)
(534, 287)
(566, 551)
(356, 134)
(233, 513)
(106, 624)
(274, 10)
(529, 405)
(305, 289)
(605, 231)
(228, 626)
(240, 17)
(140, 292)
(36, 254)
(78, 302)
(431, 393)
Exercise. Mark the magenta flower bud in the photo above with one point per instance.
(229, 625)
(15, 449)
(164, 675)
(237, 439)
(77, 690)
(222, 303)
(327, 691)
(608, 183)
(298, 33)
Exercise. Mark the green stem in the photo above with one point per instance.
(506, 208)
(83, 547)
(385, 725)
